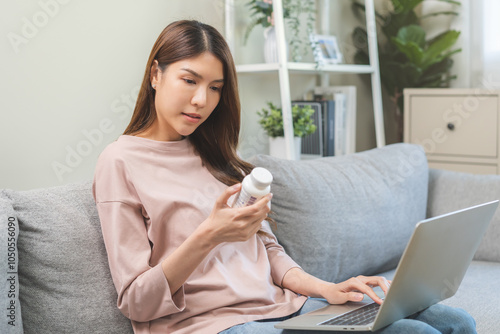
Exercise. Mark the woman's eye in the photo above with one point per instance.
(189, 81)
(215, 88)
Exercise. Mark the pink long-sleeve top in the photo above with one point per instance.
(151, 196)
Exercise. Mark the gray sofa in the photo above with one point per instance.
(337, 217)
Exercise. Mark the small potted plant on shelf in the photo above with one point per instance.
(271, 120)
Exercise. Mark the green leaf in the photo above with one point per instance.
(360, 39)
(408, 74)
(452, 2)
(396, 76)
(413, 52)
(435, 72)
(405, 6)
(261, 5)
(437, 14)
(438, 46)
(395, 21)
(412, 33)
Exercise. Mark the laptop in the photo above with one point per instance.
(431, 269)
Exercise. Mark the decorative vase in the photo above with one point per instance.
(270, 45)
(277, 147)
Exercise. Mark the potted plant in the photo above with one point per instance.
(408, 59)
(262, 14)
(271, 120)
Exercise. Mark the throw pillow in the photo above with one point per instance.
(344, 216)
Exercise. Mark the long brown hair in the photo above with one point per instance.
(217, 138)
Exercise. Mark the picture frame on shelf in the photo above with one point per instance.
(326, 49)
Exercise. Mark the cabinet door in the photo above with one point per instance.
(455, 125)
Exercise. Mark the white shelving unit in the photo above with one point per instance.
(284, 67)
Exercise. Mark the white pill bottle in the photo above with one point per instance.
(254, 186)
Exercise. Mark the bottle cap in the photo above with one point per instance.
(261, 177)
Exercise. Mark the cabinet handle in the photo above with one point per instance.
(451, 126)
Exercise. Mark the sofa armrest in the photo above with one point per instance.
(65, 285)
(450, 191)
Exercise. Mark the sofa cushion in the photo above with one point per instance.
(477, 293)
(474, 294)
(450, 191)
(65, 283)
(344, 216)
(9, 281)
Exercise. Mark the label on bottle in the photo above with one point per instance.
(244, 199)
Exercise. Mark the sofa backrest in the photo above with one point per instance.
(337, 217)
(344, 216)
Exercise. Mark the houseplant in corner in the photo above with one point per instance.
(271, 120)
(408, 59)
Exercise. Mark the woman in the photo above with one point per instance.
(182, 260)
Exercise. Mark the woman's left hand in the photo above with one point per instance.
(354, 289)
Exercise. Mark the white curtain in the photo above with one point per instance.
(491, 43)
(478, 64)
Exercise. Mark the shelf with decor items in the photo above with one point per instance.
(284, 67)
(458, 128)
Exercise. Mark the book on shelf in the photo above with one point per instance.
(328, 127)
(339, 100)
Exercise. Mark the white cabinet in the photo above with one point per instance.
(458, 128)
(284, 67)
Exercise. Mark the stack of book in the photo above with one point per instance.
(335, 119)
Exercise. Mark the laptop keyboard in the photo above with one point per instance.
(360, 316)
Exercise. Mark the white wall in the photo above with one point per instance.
(70, 70)
(69, 77)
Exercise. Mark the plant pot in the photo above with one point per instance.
(277, 147)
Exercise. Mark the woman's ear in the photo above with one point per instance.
(155, 75)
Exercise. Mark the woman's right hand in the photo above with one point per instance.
(227, 224)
